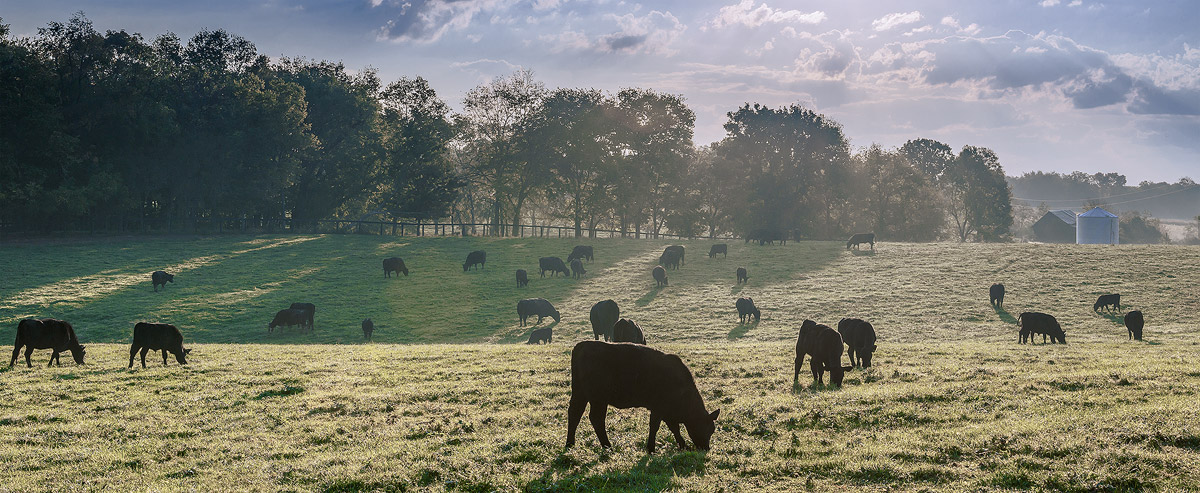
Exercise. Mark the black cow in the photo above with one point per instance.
(603, 316)
(669, 259)
(626, 330)
(577, 270)
(554, 265)
(157, 337)
(678, 249)
(47, 333)
(522, 278)
(660, 276)
(477, 257)
(288, 318)
(632, 375)
(721, 248)
(368, 328)
(394, 264)
(996, 294)
(860, 238)
(310, 313)
(1040, 323)
(742, 276)
(765, 236)
(1108, 301)
(859, 337)
(536, 306)
(746, 308)
(1134, 323)
(580, 252)
(544, 334)
(159, 277)
(824, 345)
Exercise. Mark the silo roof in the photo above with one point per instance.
(1097, 212)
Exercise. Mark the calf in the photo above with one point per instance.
(1107, 301)
(47, 333)
(742, 276)
(394, 264)
(159, 277)
(544, 334)
(660, 276)
(1040, 323)
(721, 248)
(996, 294)
(631, 375)
(577, 269)
(536, 306)
(604, 316)
(859, 337)
(1134, 323)
(824, 345)
(310, 313)
(368, 328)
(157, 337)
(522, 278)
(554, 265)
(746, 308)
(860, 238)
(289, 317)
(477, 257)
(580, 252)
(626, 330)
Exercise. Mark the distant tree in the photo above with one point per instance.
(901, 202)
(654, 135)
(929, 156)
(1138, 227)
(716, 181)
(977, 196)
(419, 178)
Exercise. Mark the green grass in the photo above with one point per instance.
(953, 403)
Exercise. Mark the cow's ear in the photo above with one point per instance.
(714, 414)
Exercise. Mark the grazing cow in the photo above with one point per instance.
(660, 276)
(721, 248)
(157, 337)
(626, 330)
(632, 375)
(394, 264)
(47, 333)
(289, 317)
(996, 294)
(1040, 323)
(577, 269)
(1107, 301)
(554, 265)
(580, 252)
(310, 312)
(742, 276)
(746, 308)
(669, 259)
(603, 316)
(477, 257)
(1134, 323)
(860, 238)
(544, 334)
(368, 328)
(159, 277)
(536, 306)
(859, 337)
(678, 249)
(522, 278)
(824, 345)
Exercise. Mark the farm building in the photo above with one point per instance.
(1056, 227)
(1097, 227)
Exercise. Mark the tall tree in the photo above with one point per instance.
(978, 197)
(655, 136)
(900, 201)
(420, 180)
(929, 156)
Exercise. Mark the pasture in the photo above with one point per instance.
(444, 399)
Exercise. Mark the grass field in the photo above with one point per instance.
(953, 402)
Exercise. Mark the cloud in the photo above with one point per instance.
(897, 19)
(426, 21)
(971, 29)
(745, 14)
(653, 33)
(1049, 3)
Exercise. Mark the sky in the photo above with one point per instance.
(1050, 85)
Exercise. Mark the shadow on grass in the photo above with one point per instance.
(649, 296)
(1116, 319)
(651, 473)
(862, 253)
(737, 289)
(1004, 315)
(741, 329)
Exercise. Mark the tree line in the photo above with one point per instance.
(110, 124)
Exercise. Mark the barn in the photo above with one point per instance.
(1097, 227)
(1056, 227)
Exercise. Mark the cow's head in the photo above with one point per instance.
(77, 352)
(171, 278)
(181, 356)
(701, 429)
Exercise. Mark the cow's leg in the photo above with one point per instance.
(574, 414)
(655, 420)
(132, 352)
(674, 427)
(16, 352)
(799, 363)
(597, 415)
(850, 353)
(28, 354)
(816, 368)
(53, 356)
(164, 354)
(144, 351)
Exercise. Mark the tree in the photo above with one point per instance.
(978, 198)
(654, 133)
(929, 156)
(715, 181)
(901, 203)
(420, 180)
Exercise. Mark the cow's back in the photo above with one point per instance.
(627, 375)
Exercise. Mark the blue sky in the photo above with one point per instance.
(1055, 85)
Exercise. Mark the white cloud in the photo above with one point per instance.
(919, 30)
(653, 33)
(896, 19)
(970, 30)
(1049, 3)
(1075, 3)
(430, 20)
(744, 13)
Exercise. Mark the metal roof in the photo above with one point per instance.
(1066, 215)
(1097, 212)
